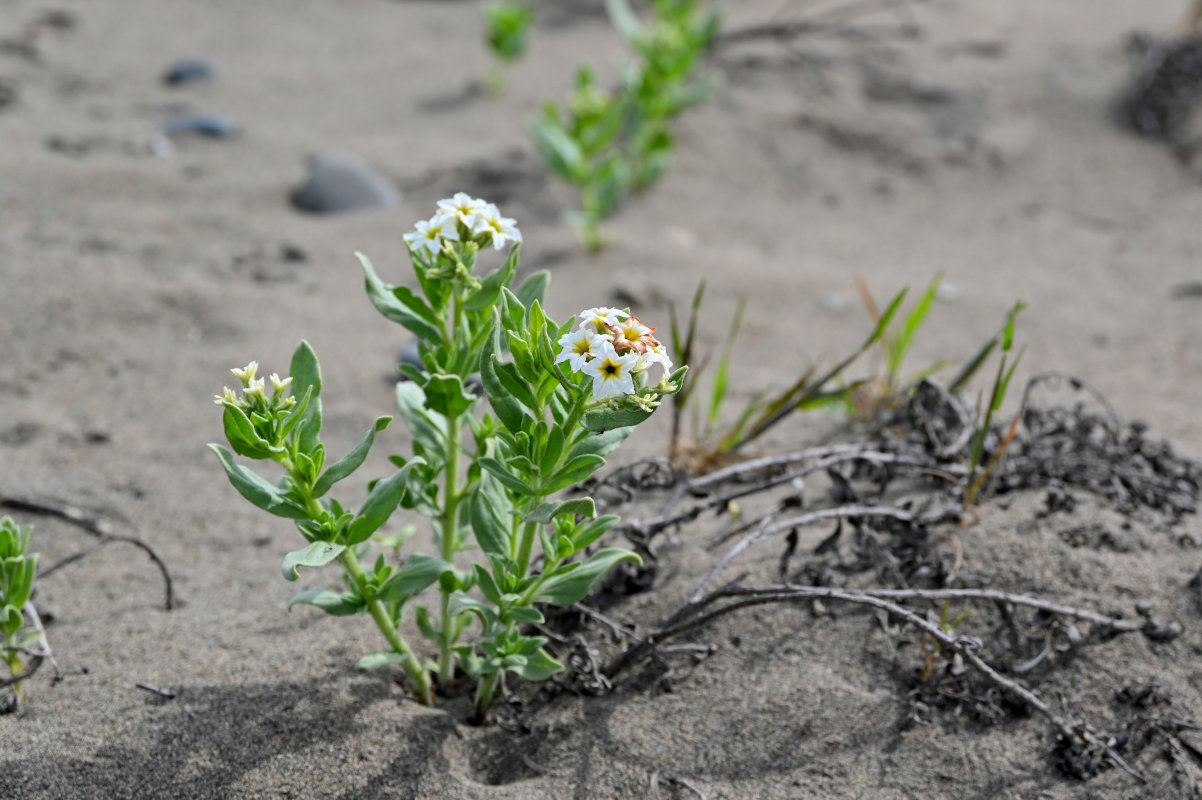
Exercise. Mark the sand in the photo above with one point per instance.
(982, 148)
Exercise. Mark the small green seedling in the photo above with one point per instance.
(978, 474)
(609, 143)
(18, 567)
(507, 25)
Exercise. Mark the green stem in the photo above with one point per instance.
(450, 534)
(486, 692)
(418, 676)
(526, 542)
(350, 562)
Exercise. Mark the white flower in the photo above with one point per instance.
(429, 234)
(599, 319)
(579, 347)
(631, 334)
(278, 385)
(247, 373)
(487, 219)
(654, 355)
(462, 207)
(254, 390)
(611, 373)
(228, 396)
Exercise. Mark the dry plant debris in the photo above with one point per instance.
(889, 493)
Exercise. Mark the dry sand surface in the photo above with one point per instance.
(131, 280)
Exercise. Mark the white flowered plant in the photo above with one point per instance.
(486, 470)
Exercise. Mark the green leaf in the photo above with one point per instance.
(718, 392)
(375, 661)
(557, 147)
(488, 585)
(590, 533)
(384, 498)
(445, 395)
(606, 419)
(336, 604)
(624, 19)
(427, 426)
(351, 461)
(600, 444)
(514, 383)
(508, 410)
(242, 435)
(419, 571)
(489, 511)
(490, 288)
(538, 667)
(400, 305)
(534, 287)
(900, 346)
(317, 554)
(574, 582)
(306, 382)
(460, 603)
(502, 473)
(548, 511)
(573, 472)
(257, 489)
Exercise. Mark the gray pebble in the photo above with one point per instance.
(338, 183)
(188, 70)
(207, 125)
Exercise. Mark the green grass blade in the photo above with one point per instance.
(718, 392)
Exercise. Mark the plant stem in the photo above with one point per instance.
(526, 542)
(450, 535)
(418, 676)
(486, 692)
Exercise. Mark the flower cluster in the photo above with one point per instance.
(462, 218)
(612, 347)
(254, 391)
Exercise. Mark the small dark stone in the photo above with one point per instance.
(188, 70)
(210, 126)
(293, 253)
(338, 183)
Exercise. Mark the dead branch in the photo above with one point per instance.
(691, 617)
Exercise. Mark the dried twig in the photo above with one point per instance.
(692, 617)
(95, 525)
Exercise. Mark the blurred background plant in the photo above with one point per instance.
(507, 25)
(608, 143)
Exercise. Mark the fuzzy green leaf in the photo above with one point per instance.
(335, 604)
(445, 395)
(537, 667)
(375, 661)
(606, 419)
(242, 435)
(534, 287)
(489, 511)
(351, 461)
(576, 580)
(549, 511)
(384, 498)
(419, 571)
(317, 554)
(573, 472)
(508, 410)
(257, 489)
(502, 473)
(306, 382)
(400, 304)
